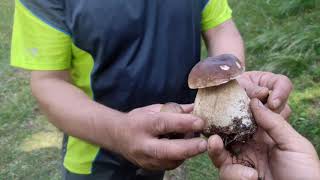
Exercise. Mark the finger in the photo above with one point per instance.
(286, 112)
(217, 153)
(274, 124)
(259, 92)
(187, 108)
(281, 87)
(153, 107)
(237, 171)
(172, 107)
(164, 123)
(253, 90)
(180, 149)
(279, 109)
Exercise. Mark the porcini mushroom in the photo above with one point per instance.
(221, 102)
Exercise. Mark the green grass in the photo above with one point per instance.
(29, 146)
(281, 36)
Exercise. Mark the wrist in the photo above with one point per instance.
(106, 126)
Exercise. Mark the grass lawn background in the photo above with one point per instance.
(281, 36)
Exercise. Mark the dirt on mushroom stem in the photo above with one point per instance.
(235, 140)
(239, 134)
(226, 111)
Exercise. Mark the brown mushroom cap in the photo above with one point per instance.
(214, 71)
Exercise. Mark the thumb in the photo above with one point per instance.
(187, 108)
(217, 153)
(276, 127)
(255, 91)
(237, 171)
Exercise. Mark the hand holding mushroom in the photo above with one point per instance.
(224, 106)
(277, 152)
(271, 89)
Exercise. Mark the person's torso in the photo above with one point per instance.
(143, 50)
(125, 54)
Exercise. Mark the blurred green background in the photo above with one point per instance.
(281, 36)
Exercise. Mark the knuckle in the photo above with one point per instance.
(155, 153)
(158, 153)
(183, 125)
(286, 80)
(136, 149)
(150, 150)
(267, 75)
(152, 115)
(135, 111)
(160, 125)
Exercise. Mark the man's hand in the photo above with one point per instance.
(277, 152)
(135, 135)
(139, 142)
(271, 89)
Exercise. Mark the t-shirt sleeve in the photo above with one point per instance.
(215, 13)
(39, 39)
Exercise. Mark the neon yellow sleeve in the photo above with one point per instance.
(215, 13)
(37, 45)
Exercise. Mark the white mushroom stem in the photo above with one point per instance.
(225, 109)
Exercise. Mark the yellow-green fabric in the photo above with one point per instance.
(215, 13)
(81, 67)
(80, 154)
(38, 46)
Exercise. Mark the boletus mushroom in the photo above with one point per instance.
(221, 102)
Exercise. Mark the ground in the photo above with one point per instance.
(281, 36)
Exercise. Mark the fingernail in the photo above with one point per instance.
(198, 124)
(276, 103)
(202, 146)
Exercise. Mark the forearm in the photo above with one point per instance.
(72, 111)
(225, 39)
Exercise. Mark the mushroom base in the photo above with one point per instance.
(226, 112)
(232, 134)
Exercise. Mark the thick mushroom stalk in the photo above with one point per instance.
(220, 101)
